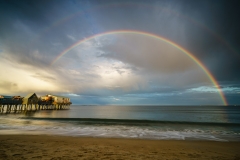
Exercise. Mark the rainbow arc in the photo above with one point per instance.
(190, 55)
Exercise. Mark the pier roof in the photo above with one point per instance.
(29, 95)
(4, 96)
(58, 96)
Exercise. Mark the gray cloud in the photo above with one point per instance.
(7, 85)
(148, 53)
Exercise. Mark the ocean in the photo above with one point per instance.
(214, 123)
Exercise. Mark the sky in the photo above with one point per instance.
(129, 52)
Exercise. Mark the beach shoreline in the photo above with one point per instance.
(65, 147)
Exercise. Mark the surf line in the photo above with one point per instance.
(190, 55)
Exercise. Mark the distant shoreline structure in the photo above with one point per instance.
(33, 102)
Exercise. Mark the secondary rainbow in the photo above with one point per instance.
(198, 62)
(136, 4)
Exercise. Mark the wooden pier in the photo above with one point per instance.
(17, 104)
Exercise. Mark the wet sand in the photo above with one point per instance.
(59, 147)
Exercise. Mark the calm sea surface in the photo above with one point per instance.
(217, 123)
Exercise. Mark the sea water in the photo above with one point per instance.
(217, 123)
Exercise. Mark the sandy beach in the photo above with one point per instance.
(60, 147)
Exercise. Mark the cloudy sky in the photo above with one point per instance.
(135, 54)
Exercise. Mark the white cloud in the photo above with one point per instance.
(204, 89)
(72, 94)
(71, 37)
(72, 71)
(231, 89)
(213, 89)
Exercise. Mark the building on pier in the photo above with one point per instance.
(55, 99)
(54, 102)
(5, 99)
(30, 99)
(10, 99)
(45, 100)
(10, 103)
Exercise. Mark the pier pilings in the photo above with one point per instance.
(16, 108)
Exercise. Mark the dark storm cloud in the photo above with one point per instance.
(26, 29)
(214, 36)
(22, 20)
(173, 19)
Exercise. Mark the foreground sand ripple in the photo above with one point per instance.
(59, 147)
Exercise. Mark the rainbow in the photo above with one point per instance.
(198, 62)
